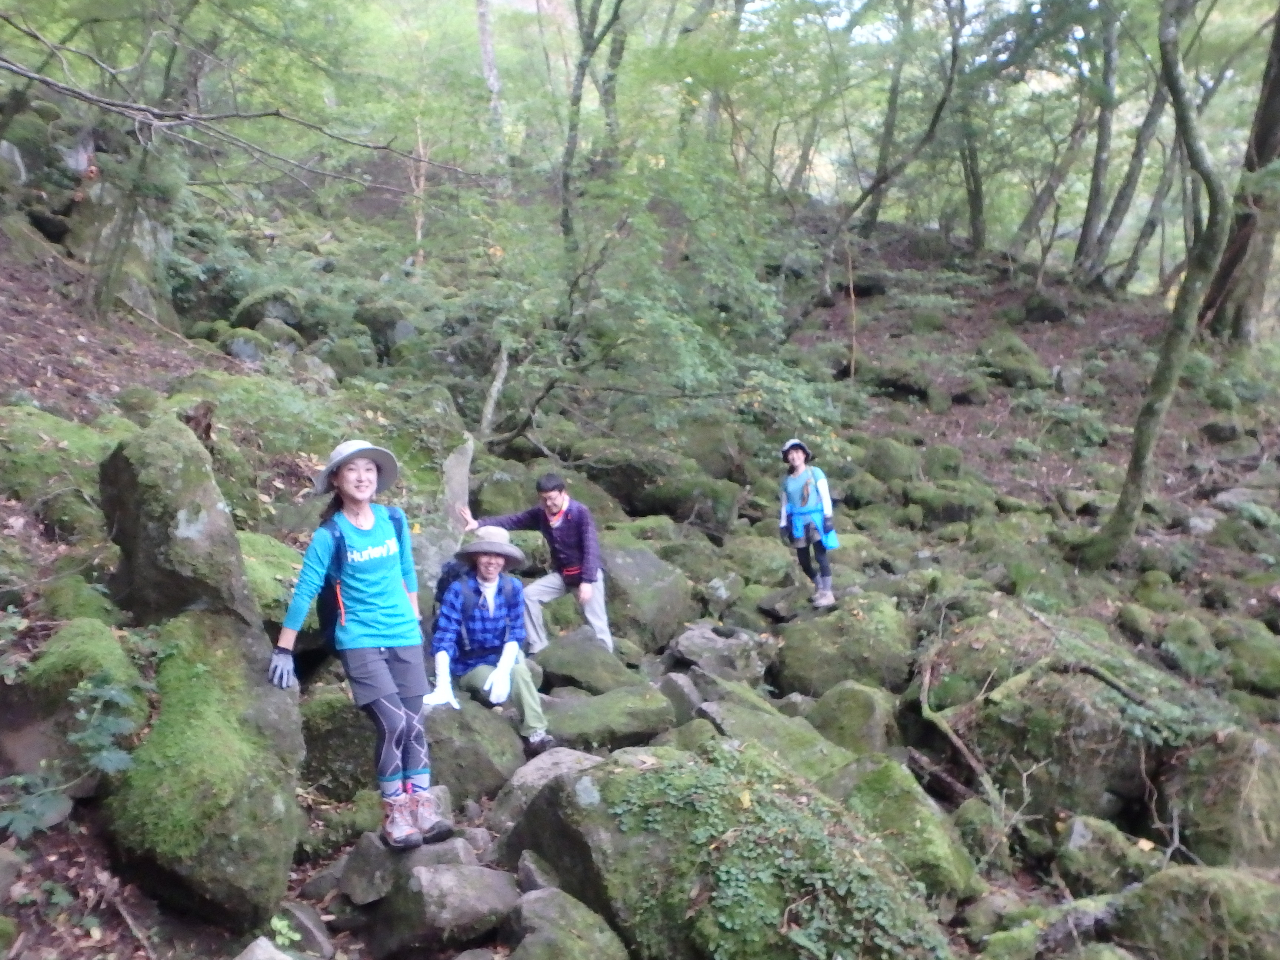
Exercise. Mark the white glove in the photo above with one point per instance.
(498, 685)
(443, 693)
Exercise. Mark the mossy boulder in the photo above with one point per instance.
(70, 597)
(857, 717)
(272, 569)
(474, 751)
(551, 925)
(943, 462)
(951, 501)
(578, 659)
(1191, 913)
(17, 573)
(207, 811)
(1189, 646)
(340, 745)
(724, 652)
(985, 836)
(178, 547)
(743, 716)
(1008, 359)
(1094, 857)
(632, 839)
(889, 460)
(52, 464)
(1252, 653)
(623, 717)
(692, 497)
(1155, 591)
(1227, 796)
(648, 599)
(86, 649)
(867, 639)
(911, 824)
(864, 490)
(759, 560)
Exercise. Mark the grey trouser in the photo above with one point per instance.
(551, 587)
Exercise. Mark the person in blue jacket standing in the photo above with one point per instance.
(378, 633)
(806, 521)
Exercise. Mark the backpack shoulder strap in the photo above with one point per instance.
(334, 572)
(398, 521)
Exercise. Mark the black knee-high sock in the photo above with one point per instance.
(416, 759)
(806, 564)
(391, 724)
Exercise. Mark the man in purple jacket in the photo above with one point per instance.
(575, 558)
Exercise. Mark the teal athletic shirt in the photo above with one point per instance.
(376, 579)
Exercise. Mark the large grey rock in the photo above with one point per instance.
(733, 654)
(532, 873)
(306, 921)
(578, 659)
(649, 599)
(474, 751)
(625, 717)
(178, 547)
(684, 696)
(509, 804)
(441, 907)
(551, 925)
(369, 872)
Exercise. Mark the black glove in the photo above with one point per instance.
(828, 524)
(281, 671)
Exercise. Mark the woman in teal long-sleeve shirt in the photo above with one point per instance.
(378, 634)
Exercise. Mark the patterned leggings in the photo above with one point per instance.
(400, 755)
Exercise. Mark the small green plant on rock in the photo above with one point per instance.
(282, 931)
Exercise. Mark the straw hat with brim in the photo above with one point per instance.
(493, 540)
(792, 444)
(385, 460)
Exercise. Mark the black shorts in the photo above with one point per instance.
(376, 672)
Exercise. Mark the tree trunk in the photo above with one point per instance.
(1201, 263)
(1155, 217)
(1128, 187)
(492, 80)
(906, 26)
(1047, 193)
(806, 153)
(1102, 145)
(971, 166)
(609, 101)
(1235, 296)
(590, 34)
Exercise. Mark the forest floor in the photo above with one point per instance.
(71, 903)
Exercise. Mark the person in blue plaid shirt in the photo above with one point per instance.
(479, 634)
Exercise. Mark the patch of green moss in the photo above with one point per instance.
(1094, 857)
(1012, 362)
(1190, 913)
(8, 932)
(272, 569)
(951, 501)
(207, 798)
(984, 835)
(1187, 641)
(759, 560)
(889, 460)
(52, 465)
(71, 597)
(857, 717)
(332, 829)
(910, 824)
(1253, 654)
(340, 745)
(85, 649)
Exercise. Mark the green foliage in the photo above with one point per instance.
(283, 932)
(101, 720)
(773, 863)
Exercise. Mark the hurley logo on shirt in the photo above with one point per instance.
(390, 548)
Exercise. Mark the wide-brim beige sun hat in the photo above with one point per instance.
(493, 540)
(385, 460)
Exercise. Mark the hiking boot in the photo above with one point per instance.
(817, 590)
(538, 743)
(824, 597)
(427, 818)
(398, 830)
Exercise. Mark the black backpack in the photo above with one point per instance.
(454, 571)
(329, 608)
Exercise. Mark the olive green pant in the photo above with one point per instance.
(523, 692)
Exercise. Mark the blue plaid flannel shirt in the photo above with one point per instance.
(487, 632)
